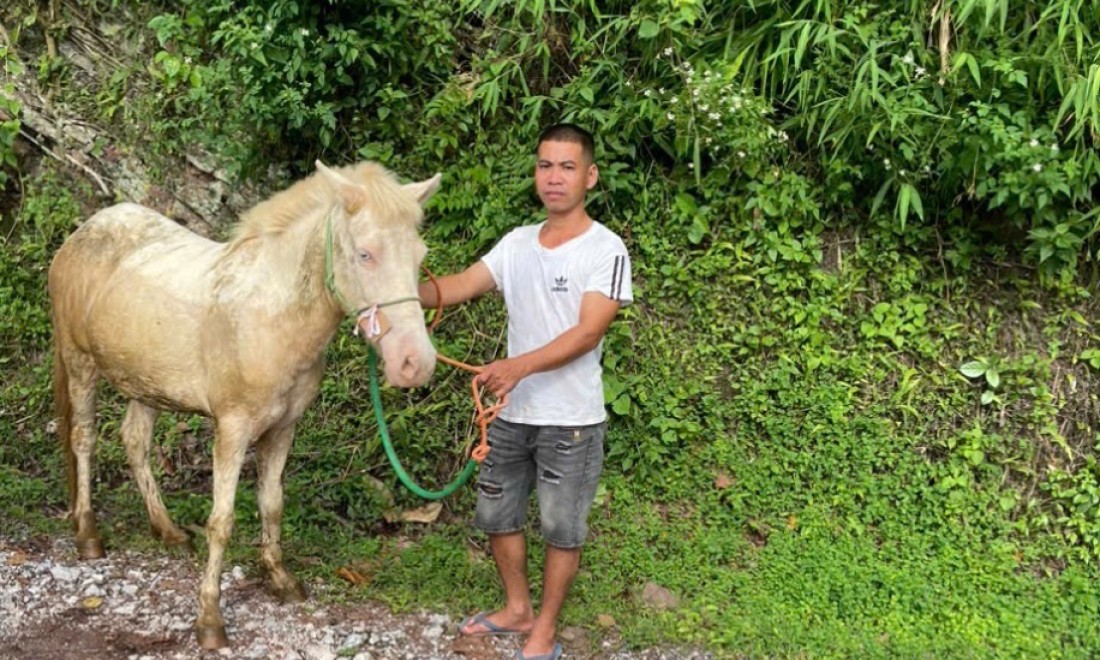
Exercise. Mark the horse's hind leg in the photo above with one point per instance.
(271, 453)
(81, 377)
(137, 434)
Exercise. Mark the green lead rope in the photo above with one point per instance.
(387, 445)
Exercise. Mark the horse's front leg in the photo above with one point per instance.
(232, 439)
(271, 453)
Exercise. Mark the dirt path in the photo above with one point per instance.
(142, 606)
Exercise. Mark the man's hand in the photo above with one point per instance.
(501, 376)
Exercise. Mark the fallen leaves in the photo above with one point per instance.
(353, 575)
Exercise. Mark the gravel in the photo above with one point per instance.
(142, 606)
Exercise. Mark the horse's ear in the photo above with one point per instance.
(350, 193)
(423, 190)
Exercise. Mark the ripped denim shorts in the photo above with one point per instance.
(562, 463)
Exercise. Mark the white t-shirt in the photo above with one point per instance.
(543, 289)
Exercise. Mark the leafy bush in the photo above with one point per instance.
(10, 110)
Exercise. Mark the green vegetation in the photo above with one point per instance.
(855, 406)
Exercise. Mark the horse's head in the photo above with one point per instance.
(373, 252)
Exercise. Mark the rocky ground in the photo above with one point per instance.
(137, 606)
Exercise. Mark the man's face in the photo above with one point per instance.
(563, 175)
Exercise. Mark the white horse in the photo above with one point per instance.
(236, 331)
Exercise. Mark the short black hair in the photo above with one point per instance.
(565, 132)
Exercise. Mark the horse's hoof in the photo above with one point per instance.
(90, 548)
(211, 637)
(295, 593)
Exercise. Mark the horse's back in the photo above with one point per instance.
(125, 230)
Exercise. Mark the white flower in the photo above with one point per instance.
(661, 91)
(886, 163)
(254, 45)
(671, 116)
(691, 166)
(704, 108)
(1034, 143)
(908, 59)
(187, 60)
(1037, 167)
(740, 154)
(714, 116)
(901, 172)
(269, 28)
(709, 140)
(695, 93)
(673, 100)
(1054, 148)
(629, 84)
(648, 93)
(305, 32)
(667, 52)
(782, 136)
(920, 71)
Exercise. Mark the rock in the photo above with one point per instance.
(125, 609)
(63, 573)
(352, 641)
(94, 590)
(318, 652)
(658, 597)
(573, 634)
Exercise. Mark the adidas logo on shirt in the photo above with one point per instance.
(560, 285)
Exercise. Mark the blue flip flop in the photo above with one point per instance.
(491, 629)
(552, 655)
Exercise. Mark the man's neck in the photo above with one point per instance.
(560, 229)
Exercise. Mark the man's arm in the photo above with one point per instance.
(458, 288)
(597, 312)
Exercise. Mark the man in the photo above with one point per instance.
(563, 281)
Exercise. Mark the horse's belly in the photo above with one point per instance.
(145, 341)
(151, 373)
(158, 393)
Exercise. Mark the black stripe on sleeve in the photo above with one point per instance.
(617, 278)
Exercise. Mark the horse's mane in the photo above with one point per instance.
(383, 194)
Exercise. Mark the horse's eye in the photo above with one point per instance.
(364, 256)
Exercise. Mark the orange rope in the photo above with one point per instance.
(485, 414)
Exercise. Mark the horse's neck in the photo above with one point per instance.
(284, 274)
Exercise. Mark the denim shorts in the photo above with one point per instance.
(562, 463)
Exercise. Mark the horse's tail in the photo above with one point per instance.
(64, 407)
